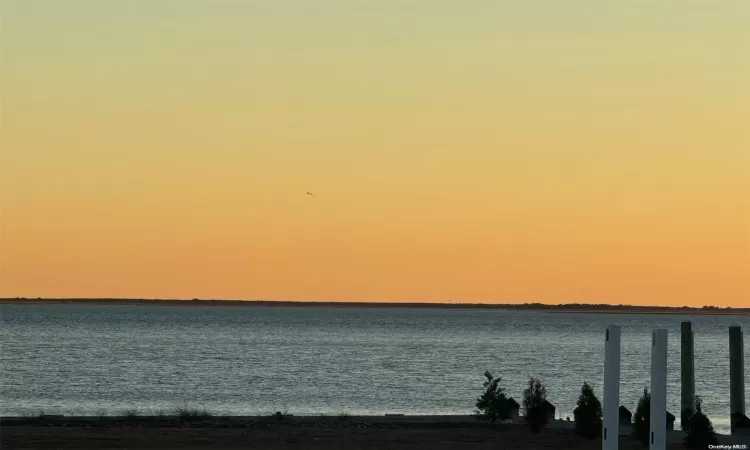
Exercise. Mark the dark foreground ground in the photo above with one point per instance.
(331, 434)
(285, 438)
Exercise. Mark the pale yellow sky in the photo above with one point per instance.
(480, 151)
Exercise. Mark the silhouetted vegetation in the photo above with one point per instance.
(642, 418)
(534, 398)
(700, 432)
(130, 414)
(493, 405)
(188, 413)
(685, 418)
(37, 415)
(588, 413)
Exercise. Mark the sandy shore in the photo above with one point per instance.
(431, 432)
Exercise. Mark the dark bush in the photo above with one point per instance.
(189, 413)
(642, 418)
(534, 398)
(493, 405)
(685, 418)
(588, 414)
(700, 432)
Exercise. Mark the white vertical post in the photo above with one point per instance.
(658, 438)
(687, 373)
(736, 371)
(611, 404)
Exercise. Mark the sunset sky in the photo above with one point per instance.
(474, 151)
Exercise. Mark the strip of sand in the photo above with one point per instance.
(293, 432)
(286, 434)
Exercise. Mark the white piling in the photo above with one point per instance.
(611, 400)
(658, 438)
(687, 373)
(736, 371)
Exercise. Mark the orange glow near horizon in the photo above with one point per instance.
(480, 152)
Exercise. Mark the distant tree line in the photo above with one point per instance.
(607, 306)
(521, 306)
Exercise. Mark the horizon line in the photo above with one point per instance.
(354, 302)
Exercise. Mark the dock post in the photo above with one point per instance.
(611, 403)
(658, 413)
(736, 373)
(687, 369)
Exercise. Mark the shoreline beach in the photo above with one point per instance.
(293, 432)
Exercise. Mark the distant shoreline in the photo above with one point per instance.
(569, 308)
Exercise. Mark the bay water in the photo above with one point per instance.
(106, 359)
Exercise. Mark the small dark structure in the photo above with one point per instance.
(514, 408)
(670, 421)
(626, 417)
(740, 424)
(549, 410)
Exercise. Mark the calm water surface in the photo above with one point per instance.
(89, 359)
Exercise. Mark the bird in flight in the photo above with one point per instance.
(310, 194)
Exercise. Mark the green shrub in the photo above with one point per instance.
(642, 418)
(700, 432)
(588, 414)
(534, 398)
(685, 418)
(188, 413)
(493, 405)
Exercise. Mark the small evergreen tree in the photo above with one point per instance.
(493, 404)
(534, 397)
(700, 432)
(685, 418)
(588, 413)
(642, 418)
